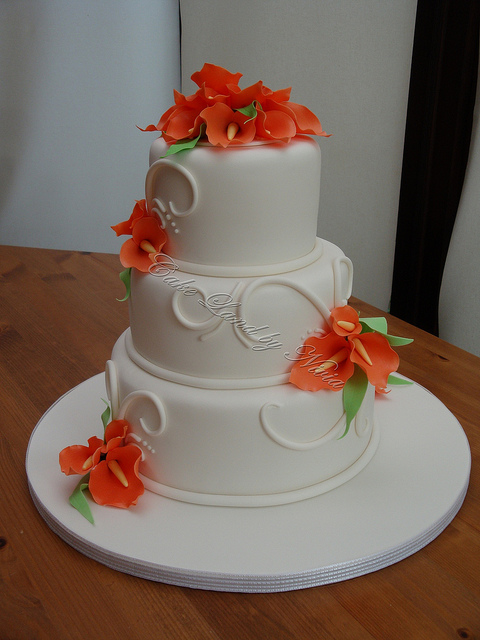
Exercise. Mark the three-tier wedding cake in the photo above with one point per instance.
(245, 378)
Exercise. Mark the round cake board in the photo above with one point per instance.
(401, 501)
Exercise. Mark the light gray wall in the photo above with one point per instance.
(76, 77)
(349, 61)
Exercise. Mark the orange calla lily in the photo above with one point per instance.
(184, 123)
(241, 97)
(148, 238)
(373, 353)
(117, 485)
(78, 458)
(277, 118)
(345, 321)
(139, 211)
(225, 126)
(115, 433)
(111, 464)
(328, 362)
(306, 121)
(322, 363)
(217, 78)
(275, 125)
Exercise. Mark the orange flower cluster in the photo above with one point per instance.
(328, 362)
(112, 465)
(148, 238)
(228, 115)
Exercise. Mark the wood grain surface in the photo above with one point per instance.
(59, 319)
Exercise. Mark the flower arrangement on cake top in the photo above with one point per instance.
(223, 114)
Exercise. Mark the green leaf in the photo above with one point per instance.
(396, 381)
(379, 325)
(125, 277)
(181, 145)
(106, 415)
(374, 324)
(251, 110)
(397, 341)
(185, 144)
(79, 501)
(353, 394)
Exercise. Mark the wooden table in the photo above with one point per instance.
(59, 319)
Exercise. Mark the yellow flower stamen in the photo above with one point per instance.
(116, 469)
(339, 357)
(362, 352)
(346, 326)
(147, 246)
(232, 130)
(88, 463)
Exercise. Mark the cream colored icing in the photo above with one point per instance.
(246, 206)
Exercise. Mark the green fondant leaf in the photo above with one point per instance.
(181, 145)
(397, 341)
(353, 394)
(374, 324)
(251, 110)
(79, 501)
(125, 277)
(106, 415)
(395, 380)
(380, 326)
(185, 144)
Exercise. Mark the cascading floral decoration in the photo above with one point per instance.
(355, 352)
(109, 468)
(148, 239)
(223, 114)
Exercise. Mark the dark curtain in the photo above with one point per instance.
(437, 140)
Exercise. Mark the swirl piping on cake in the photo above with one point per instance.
(334, 432)
(251, 340)
(212, 324)
(111, 385)
(167, 211)
(362, 422)
(343, 287)
(127, 412)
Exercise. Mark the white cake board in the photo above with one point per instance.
(401, 501)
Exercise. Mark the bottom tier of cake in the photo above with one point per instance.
(262, 445)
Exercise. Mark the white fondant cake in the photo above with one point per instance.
(245, 378)
(202, 375)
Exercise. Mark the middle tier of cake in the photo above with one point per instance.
(236, 329)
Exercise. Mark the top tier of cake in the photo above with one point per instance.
(244, 206)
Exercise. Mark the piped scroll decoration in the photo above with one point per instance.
(153, 419)
(343, 286)
(111, 384)
(179, 184)
(232, 309)
(250, 340)
(334, 432)
(210, 326)
(362, 425)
